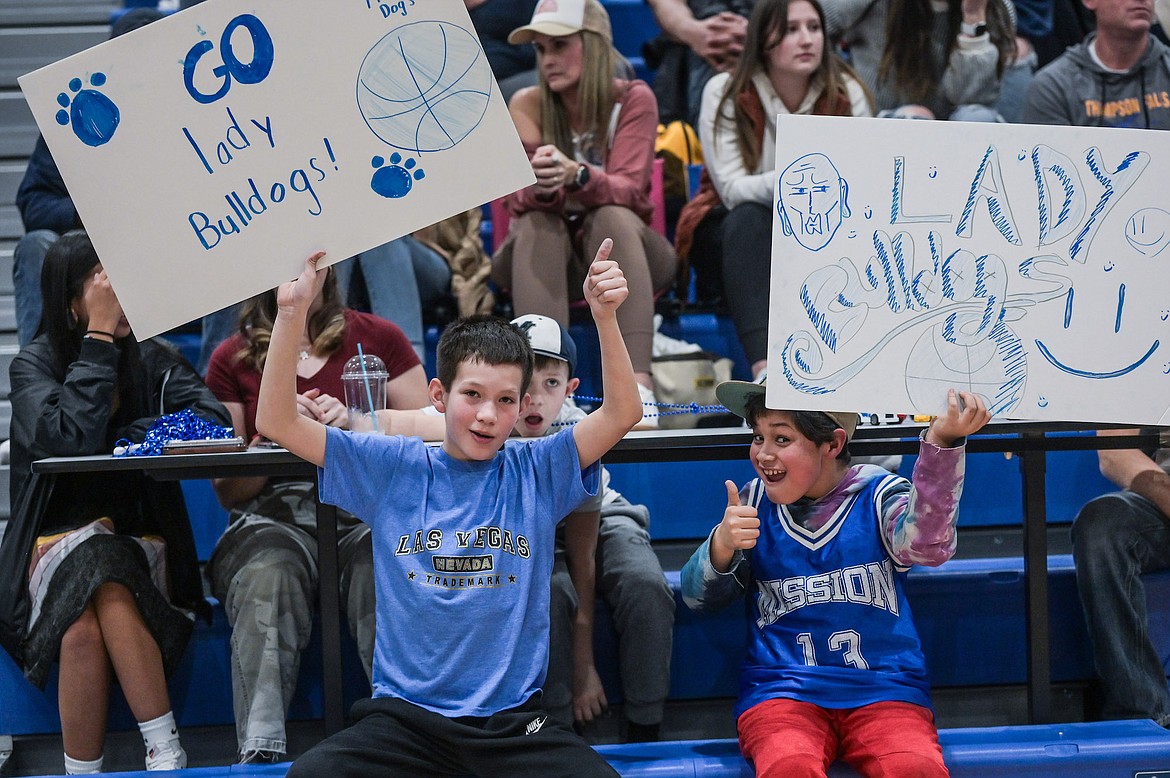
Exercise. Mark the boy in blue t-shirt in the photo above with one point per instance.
(834, 667)
(463, 545)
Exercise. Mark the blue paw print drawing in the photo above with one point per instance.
(93, 115)
(394, 179)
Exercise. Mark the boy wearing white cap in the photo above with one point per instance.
(834, 668)
(605, 550)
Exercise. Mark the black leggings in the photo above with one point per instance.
(740, 242)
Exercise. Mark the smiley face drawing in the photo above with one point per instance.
(1112, 371)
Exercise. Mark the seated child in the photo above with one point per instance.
(834, 667)
(463, 538)
(602, 545)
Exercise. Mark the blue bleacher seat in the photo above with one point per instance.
(1098, 750)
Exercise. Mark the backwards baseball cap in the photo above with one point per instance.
(549, 338)
(564, 17)
(735, 394)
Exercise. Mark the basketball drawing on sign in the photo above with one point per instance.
(423, 88)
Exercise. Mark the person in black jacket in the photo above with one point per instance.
(98, 571)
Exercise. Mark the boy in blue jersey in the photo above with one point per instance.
(463, 546)
(834, 668)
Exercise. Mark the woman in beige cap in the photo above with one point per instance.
(590, 137)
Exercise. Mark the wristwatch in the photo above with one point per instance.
(973, 30)
(580, 179)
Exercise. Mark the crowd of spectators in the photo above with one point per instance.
(728, 67)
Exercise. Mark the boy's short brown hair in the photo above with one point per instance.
(487, 339)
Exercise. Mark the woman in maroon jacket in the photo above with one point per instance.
(590, 137)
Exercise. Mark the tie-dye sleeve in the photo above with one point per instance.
(704, 588)
(919, 524)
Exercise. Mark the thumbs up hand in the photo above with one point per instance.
(739, 529)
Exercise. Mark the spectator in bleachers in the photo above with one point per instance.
(264, 567)
(941, 55)
(590, 138)
(46, 210)
(100, 572)
(1119, 76)
(603, 545)
(700, 38)
(1117, 538)
(462, 649)
(834, 667)
(513, 66)
(726, 229)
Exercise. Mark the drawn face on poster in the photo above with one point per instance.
(211, 151)
(1025, 264)
(812, 199)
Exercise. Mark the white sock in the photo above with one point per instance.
(160, 731)
(81, 767)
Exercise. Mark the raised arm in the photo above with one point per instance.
(621, 407)
(920, 521)
(276, 413)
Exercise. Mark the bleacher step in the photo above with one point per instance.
(1082, 750)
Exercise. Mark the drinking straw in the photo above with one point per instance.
(366, 378)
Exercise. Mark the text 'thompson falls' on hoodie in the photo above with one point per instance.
(1074, 89)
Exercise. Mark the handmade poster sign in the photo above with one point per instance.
(210, 152)
(1027, 264)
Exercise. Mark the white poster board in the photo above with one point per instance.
(210, 152)
(1028, 264)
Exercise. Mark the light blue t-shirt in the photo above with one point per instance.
(463, 555)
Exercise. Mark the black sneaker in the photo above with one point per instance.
(261, 756)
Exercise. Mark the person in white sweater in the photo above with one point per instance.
(725, 230)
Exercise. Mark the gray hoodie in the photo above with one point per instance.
(1074, 89)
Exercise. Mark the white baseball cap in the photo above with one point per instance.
(564, 17)
(548, 338)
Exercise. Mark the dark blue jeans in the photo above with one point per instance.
(1116, 538)
(27, 259)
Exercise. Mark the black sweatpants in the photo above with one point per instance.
(392, 737)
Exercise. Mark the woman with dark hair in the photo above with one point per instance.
(99, 569)
(941, 54)
(264, 567)
(726, 229)
(590, 138)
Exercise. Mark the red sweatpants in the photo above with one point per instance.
(791, 739)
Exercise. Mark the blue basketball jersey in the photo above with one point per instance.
(829, 619)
